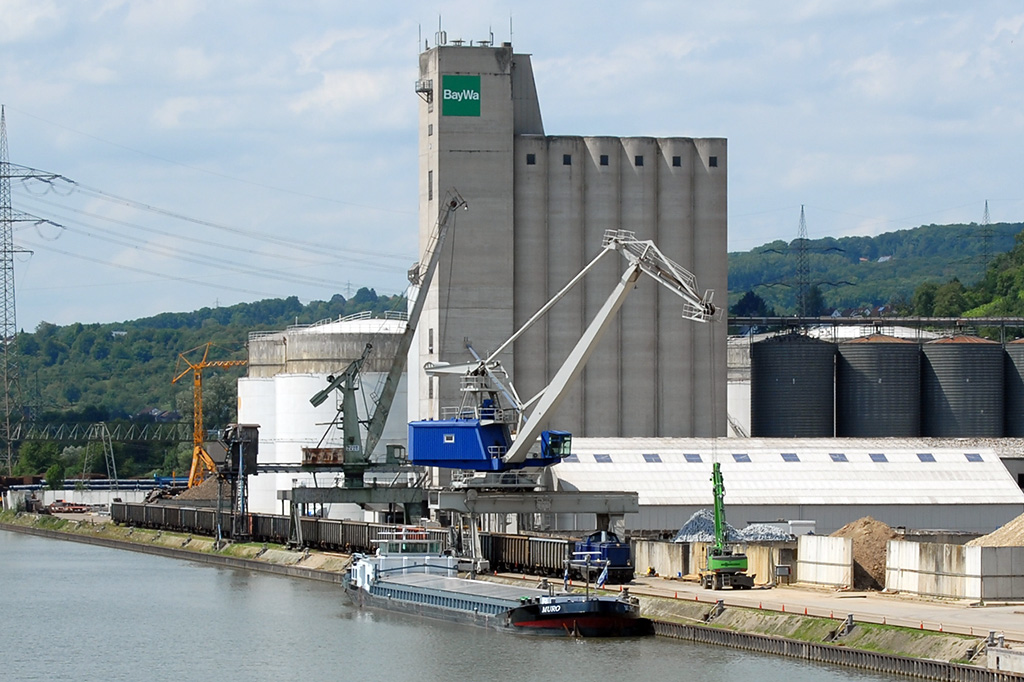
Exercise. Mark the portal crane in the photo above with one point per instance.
(202, 463)
(481, 435)
(355, 458)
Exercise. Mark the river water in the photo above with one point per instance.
(76, 612)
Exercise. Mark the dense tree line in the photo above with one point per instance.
(865, 272)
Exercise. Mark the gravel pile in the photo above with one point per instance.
(1010, 535)
(764, 532)
(870, 545)
(701, 528)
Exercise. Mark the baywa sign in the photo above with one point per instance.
(460, 95)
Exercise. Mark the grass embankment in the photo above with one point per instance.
(98, 527)
(883, 639)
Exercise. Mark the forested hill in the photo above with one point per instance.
(117, 370)
(854, 272)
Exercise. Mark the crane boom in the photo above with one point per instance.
(644, 258)
(421, 274)
(480, 437)
(358, 451)
(202, 464)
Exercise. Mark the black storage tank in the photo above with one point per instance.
(962, 388)
(792, 379)
(1013, 391)
(878, 388)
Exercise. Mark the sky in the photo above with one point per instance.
(211, 153)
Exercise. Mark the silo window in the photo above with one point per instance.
(713, 161)
(430, 388)
(638, 160)
(603, 459)
(531, 159)
(878, 457)
(790, 457)
(653, 458)
(566, 159)
(604, 159)
(677, 161)
(430, 340)
(838, 457)
(430, 185)
(973, 457)
(430, 129)
(926, 456)
(741, 456)
(693, 458)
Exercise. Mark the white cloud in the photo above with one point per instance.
(22, 20)
(192, 64)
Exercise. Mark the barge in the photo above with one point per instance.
(409, 574)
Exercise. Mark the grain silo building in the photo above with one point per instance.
(538, 207)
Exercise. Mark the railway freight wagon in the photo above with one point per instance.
(545, 556)
(329, 534)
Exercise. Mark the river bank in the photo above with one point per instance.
(891, 649)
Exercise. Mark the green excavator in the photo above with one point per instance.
(724, 568)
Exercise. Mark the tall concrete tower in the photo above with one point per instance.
(538, 207)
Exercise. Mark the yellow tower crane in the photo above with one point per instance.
(202, 463)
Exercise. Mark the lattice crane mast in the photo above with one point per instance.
(202, 463)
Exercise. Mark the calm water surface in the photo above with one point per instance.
(76, 612)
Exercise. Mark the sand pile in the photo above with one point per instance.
(207, 490)
(870, 544)
(1010, 535)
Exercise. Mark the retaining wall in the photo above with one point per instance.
(825, 560)
(827, 653)
(682, 558)
(955, 571)
(667, 558)
(1006, 660)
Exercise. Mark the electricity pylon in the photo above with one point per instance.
(10, 401)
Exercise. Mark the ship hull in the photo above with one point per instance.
(605, 617)
(502, 607)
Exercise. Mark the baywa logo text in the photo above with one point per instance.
(460, 95)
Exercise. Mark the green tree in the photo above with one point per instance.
(35, 457)
(55, 476)
(950, 300)
(751, 305)
(924, 299)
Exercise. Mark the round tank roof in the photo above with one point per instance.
(963, 338)
(878, 338)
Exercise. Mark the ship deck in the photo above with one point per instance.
(462, 586)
